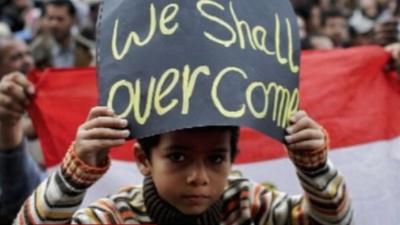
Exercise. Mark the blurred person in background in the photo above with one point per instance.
(82, 11)
(334, 25)
(19, 173)
(318, 7)
(312, 41)
(363, 20)
(314, 22)
(12, 13)
(14, 56)
(346, 6)
(301, 23)
(20, 16)
(61, 46)
(375, 22)
(386, 32)
(88, 29)
(387, 28)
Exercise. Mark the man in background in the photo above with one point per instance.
(62, 46)
(19, 173)
(335, 26)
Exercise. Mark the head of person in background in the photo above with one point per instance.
(362, 22)
(61, 46)
(23, 4)
(334, 25)
(311, 41)
(370, 8)
(13, 13)
(361, 35)
(61, 17)
(346, 6)
(387, 28)
(304, 37)
(14, 56)
(88, 29)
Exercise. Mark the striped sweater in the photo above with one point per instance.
(57, 200)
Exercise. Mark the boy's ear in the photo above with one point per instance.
(142, 161)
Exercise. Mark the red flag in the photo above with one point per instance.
(345, 90)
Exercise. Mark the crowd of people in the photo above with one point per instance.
(61, 33)
(326, 24)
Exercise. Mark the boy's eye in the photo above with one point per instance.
(177, 157)
(217, 159)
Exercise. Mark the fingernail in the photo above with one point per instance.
(126, 133)
(124, 122)
(288, 139)
(289, 130)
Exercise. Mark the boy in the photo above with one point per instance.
(186, 180)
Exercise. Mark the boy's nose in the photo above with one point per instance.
(198, 175)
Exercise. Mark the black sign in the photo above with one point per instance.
(167, 65)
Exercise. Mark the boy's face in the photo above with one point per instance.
(190, 168)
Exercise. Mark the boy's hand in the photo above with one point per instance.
(101, 131)
(306, 142)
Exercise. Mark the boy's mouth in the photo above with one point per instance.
(196, 199)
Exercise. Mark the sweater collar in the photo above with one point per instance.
(163, 213)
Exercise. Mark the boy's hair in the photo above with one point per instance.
(68, 3)
(150, 142)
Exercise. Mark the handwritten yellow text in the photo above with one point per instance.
(167, 26)
(245, 35)
(159, 98)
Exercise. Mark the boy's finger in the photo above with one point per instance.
(98, 111)
(307, 145)
(303, 122)
(297, 115)
(105, 122)
(303, 135)
(105, 133)
(105, 144)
